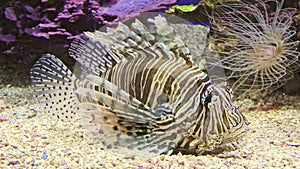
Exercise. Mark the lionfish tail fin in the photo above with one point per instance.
(52, 83)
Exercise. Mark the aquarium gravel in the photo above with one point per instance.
(29, 139)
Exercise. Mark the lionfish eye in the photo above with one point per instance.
(207, 98)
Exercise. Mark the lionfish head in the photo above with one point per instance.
(225, 123)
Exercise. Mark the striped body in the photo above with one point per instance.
(161, 81)
(143, 89)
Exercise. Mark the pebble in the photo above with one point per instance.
(293, 144)
(29, 161)
(44, 156)
(2, 119)
(13, 162)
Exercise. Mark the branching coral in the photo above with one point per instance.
(42, 18)
(123, 9)
(253, 44)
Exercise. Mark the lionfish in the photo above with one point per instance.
(141, 86)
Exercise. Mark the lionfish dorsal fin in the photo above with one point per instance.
(157, 39)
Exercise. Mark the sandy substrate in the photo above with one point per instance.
(29, 139)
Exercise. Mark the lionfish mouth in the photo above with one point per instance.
(237, 132)
(236, 135)
(218, 143)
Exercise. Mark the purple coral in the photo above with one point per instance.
(72, 10)
(123, 9)
(42, 18)
(9, 13)
(7, 38)
(112, 11)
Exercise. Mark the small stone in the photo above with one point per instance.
(293, 144)
(13, 162)
(2, 119)
(44, 156)
(29, 161)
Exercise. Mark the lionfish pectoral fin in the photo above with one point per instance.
(124, 121)
(52, 83)
(117, 93)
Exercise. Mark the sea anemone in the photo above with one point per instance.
(253, 43)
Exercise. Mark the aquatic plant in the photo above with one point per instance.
(253, 43)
